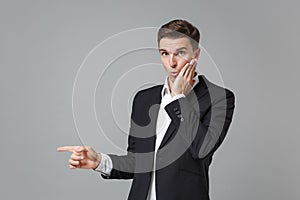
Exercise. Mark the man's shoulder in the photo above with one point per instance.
(213, 86)
(214, 90)
(150, 90)
(151, 95)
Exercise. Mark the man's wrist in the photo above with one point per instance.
(166, 101)
(105, 165)
(98, 161)
(177, 94)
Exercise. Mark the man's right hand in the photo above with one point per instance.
(184, 81)
(82, 157)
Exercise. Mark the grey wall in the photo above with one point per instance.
(255, 45)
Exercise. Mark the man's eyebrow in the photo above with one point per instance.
(182, 48)
(179, 49)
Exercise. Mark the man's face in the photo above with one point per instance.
(175, 53)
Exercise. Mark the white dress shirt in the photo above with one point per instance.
(163, 122)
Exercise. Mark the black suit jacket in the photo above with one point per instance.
(199, 123)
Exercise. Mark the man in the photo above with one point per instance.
(175, 127)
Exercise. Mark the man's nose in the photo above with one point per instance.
(172, 61)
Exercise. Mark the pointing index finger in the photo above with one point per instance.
(68, 148)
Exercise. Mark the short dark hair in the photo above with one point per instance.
(179, 28)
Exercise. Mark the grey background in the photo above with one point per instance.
(42, 44)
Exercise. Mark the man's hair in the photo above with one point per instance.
(179, 28)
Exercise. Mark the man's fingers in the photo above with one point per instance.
(191, 72)
(187, 68)
(76, 157)
(81, 149)
(191, 69)
(74, 162)
(72, 167)
(184, 69)
(188, 72)
(67, 148)
(77, 149)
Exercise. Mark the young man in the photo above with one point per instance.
(175, 127)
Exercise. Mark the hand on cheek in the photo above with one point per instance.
(184, 81)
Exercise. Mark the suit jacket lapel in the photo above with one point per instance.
(169, 134)
(156, 100)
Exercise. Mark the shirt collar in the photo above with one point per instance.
(166, 89)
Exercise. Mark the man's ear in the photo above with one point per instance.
(197, 53)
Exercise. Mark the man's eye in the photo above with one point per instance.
(164, 54)
(181, 53)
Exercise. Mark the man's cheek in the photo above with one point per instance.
(181, 65)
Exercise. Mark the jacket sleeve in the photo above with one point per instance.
(203, 133)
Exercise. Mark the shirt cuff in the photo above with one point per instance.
(105, 165)
(166, 101)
